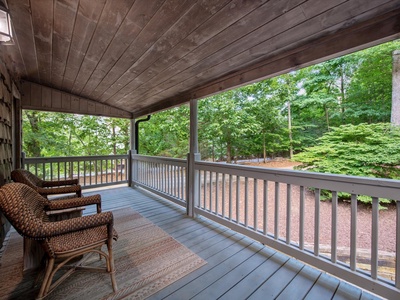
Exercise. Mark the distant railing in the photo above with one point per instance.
(91, 171)
(163, 176)
(282, 209)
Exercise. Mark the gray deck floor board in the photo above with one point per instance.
(237, 267)
(301, 284)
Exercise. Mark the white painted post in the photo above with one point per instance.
(132, 165)
(192, 183)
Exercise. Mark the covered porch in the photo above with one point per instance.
(279, 208)
(129, 59)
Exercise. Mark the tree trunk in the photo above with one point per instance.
(395, 116)
(290, 132)
(264, 149)
(33, 146)
(228, 153)
(114, 140)
(327, 116)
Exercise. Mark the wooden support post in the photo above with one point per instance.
(192, 182)
(132, 166)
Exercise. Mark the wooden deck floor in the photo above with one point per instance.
(237, 266)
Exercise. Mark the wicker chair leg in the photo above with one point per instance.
(110, 266)
(47, 279)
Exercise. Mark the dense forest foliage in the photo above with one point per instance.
(253, 121)
(58, 134)
(275, 117)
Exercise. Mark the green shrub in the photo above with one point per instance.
(343, 196)
(368, 150)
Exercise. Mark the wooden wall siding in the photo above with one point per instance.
(6, 162)
(143, 56)
(38, 97)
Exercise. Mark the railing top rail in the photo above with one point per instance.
(35, 160)
(170, 160)
(375, 187)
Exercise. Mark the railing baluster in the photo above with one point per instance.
(230, 196)
(204, 189)
(353, 233)
(51, 171)
(156, 176)
(276, 220)
(246, 201)
(106, 170)
(79, 171)
(165, 178)
(112, 170)
(334, 227)
(374, 237)
(216, 192)
(265, 199)
(301, 219)
(90, 172)
(183, 186)
(288, 212)
(255, 205)
(159, 172)
(223, 195)
(176, 182)
(148, 174)
(210, 191)
(168, 190)
(316, 221)
(95, 171)
(237, 198)
(84, 172)
(172, 179)
(101, 171)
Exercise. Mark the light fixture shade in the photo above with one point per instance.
(5, 25)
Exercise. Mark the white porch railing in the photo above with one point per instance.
(92, 171)
(163, 176)
(274, 207)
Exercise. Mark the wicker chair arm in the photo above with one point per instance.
(75, 202)
(59, 190)
(60, 183)
(49, 229)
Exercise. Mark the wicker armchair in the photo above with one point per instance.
(46, 188)
(62, 240)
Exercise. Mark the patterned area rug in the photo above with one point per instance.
(147, 259)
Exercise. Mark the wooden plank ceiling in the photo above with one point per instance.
(146, 55)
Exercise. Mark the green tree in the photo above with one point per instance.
(59, 134)
(166, 133)
(370, 90)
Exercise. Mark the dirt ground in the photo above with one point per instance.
(387, 223)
